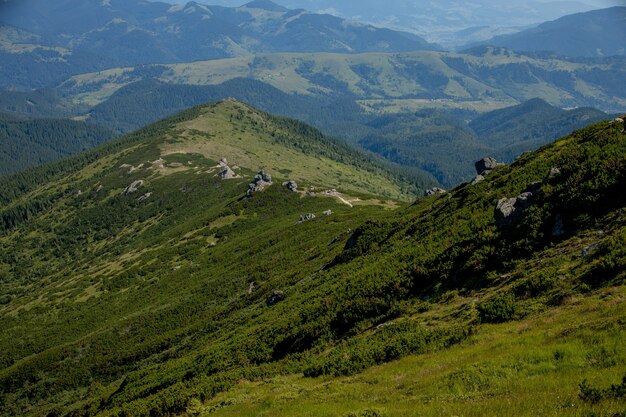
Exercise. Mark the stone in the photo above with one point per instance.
(477, 179)
(223, 162)
(327, 212)
(554, 172)
(485, 165)
(274, 298)
(434, 191)
(523, 200)
(259, 183)
(145, 197)
(227, 173)
(505, 211)
(132, 188)
(251, 287)
(589, 249)
(306, 217)
(291, 185)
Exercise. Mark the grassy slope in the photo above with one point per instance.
(118, 307)
(408, 81)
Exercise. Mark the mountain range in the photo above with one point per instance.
(593, 34)
(451, 23)
(45, 42)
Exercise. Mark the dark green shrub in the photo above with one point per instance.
(498, 310)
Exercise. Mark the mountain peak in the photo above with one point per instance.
(268, 5)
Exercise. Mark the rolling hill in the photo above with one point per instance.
(596, 33)
(44, 43)
(483, 79)
(137, 280)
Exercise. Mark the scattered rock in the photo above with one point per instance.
(223, 162)
(505, 211)
(227, 173)
(383, 325)
(291, 185)
(327, 212)
(275, 298)
(589, 249)
(132, 188)
(523, 200)
(508, 209)
(100, 187)
(124, 166)
(478, 178)
(559, 227)
(554, 172)
(145, 197)
(185, 188)
(485, 166)
(259, 183)
(158, 164)
(251, 287)
(306, 217)
(174, 165)
(79, 193)
(434, 191)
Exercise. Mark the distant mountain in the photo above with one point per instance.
(27, 143)
(445, 21)
(592, 34)
(65, 37)
(483, 79)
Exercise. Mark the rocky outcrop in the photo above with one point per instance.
(291, 185)
(132, 188)
(145, 197)
(509, 209)
(227, 173)
(261, 181)
(306, 217)
(434, 191)
(477, 179)
(274, 298)
(505, 211)
(554, 172)
(485, 166)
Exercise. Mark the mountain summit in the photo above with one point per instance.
(266, 5)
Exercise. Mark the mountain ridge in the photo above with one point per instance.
(165, 297)
(595, 33)
(118, 33)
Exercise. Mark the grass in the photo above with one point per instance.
(484, 79)
(523, 368)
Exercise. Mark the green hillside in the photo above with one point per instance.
(138, 282)
(481, 80)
